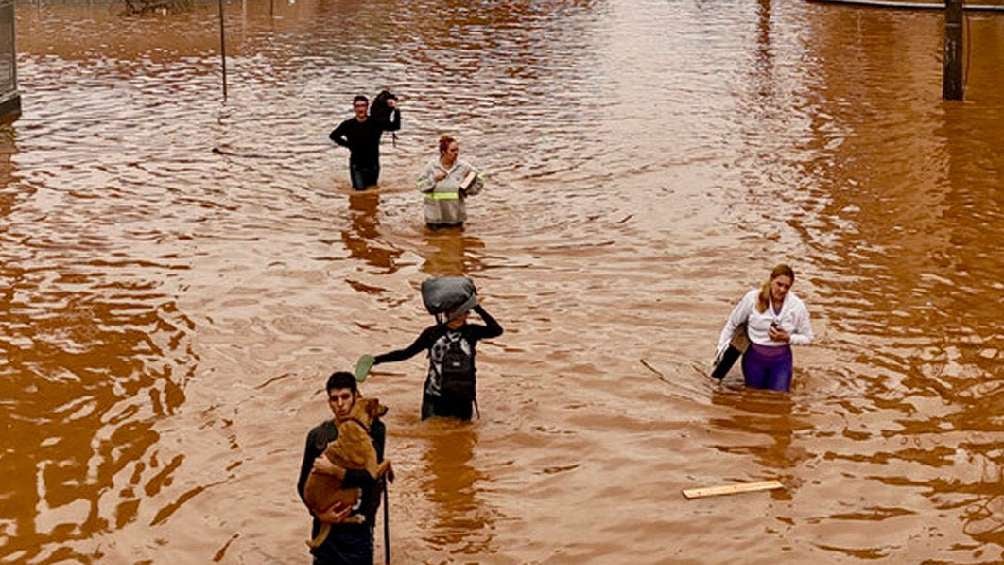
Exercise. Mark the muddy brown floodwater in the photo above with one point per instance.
(169, 313)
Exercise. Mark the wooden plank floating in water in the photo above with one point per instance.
(704, 492)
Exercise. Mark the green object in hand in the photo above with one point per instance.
(363, 366)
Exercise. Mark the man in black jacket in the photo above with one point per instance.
(361, 135)
(348, 543)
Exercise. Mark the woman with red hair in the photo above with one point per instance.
(446, 182)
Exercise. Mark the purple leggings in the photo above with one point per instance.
(768, 366)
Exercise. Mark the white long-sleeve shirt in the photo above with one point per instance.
(793, 318)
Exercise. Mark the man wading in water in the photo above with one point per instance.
(348, 543)
(361, 135)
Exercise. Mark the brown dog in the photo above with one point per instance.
(352, 450)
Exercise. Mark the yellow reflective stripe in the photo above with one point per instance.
(443, 196)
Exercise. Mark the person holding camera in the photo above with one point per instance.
(776, 319)
(446, 182)
(361, 135)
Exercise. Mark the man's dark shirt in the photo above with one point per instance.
(317, 440)
(363, 138)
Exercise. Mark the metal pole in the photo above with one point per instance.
(223, 52)
(951, 81)
(386, 523)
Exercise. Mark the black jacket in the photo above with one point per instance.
(363, 138)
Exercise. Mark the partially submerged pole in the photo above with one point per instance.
(223, 52)
(951, 81)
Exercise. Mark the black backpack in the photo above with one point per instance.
(458, 382)
(379, 110)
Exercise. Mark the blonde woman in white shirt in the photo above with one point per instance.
(776, 319)
(446, 182)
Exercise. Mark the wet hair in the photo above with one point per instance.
(360, 98)
(444, 143)
(763, 299)
(341, 379)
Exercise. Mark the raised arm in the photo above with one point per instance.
(491, 328)
(423, 342)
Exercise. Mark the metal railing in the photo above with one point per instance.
(913, 5)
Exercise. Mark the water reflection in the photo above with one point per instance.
(898, 236)
(362, 237)
(87, 375)
(95, 352)
(760, 413)
(899, 232)
(462, 525)
(763, 66)
(451, 251)
(8, 176)
(983, 518)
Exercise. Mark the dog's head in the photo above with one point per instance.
(367, 409)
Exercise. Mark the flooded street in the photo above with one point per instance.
(171, 312)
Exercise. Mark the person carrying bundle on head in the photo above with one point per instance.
(451, 380)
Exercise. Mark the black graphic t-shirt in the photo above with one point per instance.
(435, 339)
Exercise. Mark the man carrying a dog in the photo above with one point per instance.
(348, 543)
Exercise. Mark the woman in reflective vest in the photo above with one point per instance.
(446, 182)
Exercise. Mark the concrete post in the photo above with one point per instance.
(951, 81)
